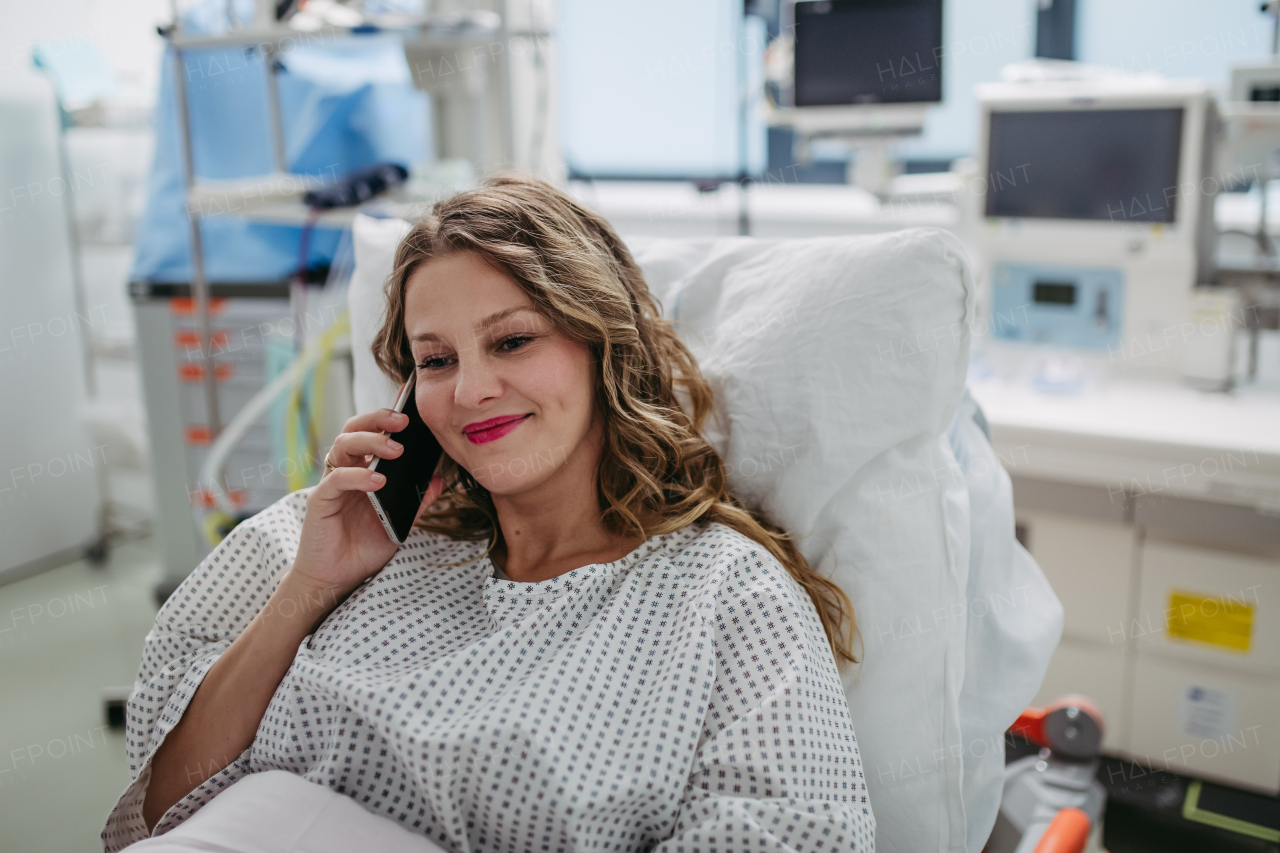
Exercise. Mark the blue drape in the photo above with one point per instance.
(345, 103)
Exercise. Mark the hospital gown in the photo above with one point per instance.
(682, 698)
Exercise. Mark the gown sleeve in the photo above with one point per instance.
(195, 626)
(777, 766)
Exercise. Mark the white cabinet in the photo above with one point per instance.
(1088, 563)
(1207, 721)
(1171, 625)
(49, 493)
(1209, 607)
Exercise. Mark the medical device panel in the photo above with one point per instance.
(1060, 305)
(1102, 186)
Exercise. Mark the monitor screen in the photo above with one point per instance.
(868, 52)
(1119, 165)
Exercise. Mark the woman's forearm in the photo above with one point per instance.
(223, 716)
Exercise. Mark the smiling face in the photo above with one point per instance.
(509, 397)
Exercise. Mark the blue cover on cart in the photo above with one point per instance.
(345, 104)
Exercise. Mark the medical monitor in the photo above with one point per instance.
(1115, 165)
(1097, 199)
(850, 52)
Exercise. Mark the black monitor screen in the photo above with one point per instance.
(1117, 165)
(1054, 293)
(868, 52)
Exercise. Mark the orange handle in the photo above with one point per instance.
(1068, 833)
(1030, 724)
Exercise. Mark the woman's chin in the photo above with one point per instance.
(514, 487)
(495, 477)
(508, 469)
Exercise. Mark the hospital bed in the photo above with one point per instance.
(839, 369)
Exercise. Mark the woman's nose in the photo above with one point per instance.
(478, 381)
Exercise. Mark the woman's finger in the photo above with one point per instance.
(379, 420)
(354, 448)
(338, 482)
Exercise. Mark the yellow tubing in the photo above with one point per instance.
(212, 521)
(300, 475)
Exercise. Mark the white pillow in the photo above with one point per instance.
(1014, 622)
(838, 365)
(374, 242)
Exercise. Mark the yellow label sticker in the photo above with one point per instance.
(1203, 618)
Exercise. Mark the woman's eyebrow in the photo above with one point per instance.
(498, 316)
(492, 320)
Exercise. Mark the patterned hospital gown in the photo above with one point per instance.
(682, 698)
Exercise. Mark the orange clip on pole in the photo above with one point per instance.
(1030, 723)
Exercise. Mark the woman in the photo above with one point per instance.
(587, 643)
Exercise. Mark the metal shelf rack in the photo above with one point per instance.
(478, 125)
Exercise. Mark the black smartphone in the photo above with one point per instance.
(409, 474)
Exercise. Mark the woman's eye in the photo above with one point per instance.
(513, 343)
(433, 362)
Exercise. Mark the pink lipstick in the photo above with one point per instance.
(482, 432)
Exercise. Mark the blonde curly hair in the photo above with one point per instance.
(656, 474)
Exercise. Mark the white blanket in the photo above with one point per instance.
(246, 818)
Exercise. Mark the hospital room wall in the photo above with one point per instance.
(1180, 38)
(979, 38)
(1175, 38)
(660, 75)
(124, 30)
(649, 89)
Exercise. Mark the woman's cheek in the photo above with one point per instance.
(432, 407)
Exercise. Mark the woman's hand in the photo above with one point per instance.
(343, 541)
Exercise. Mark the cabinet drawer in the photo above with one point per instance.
(1088, 564)
(1207, 721)
(1210, 607)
